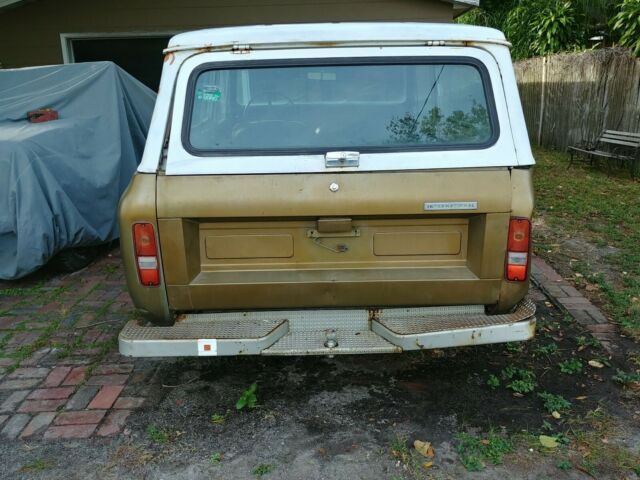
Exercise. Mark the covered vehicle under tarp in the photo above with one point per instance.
(60, 180)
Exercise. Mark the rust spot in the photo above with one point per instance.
(180, 318)
(374, 314)
(325, 44)
(169, 57)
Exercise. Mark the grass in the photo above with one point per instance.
(585, 203)
(215, 458)
(399, 448)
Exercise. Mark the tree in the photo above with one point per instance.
(542, 27)
(627, 24)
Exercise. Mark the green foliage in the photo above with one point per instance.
(554, 403)
(493, 381)
(626, 378)
(215, 458)
(626, 23)
(248, 398)
(262, 469)
(475, 452)
(564, 465)
(522, 381)
(157, 435)
(37, 465)
(543, 27)
(589, 341)
(571, 366)
(513, 347)
(218, 418)
(548, 349)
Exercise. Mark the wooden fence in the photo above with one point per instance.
(570, 98)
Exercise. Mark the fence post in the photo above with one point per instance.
(543, 92)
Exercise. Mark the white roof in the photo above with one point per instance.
(334, 34)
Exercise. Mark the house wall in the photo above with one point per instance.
(30, 32)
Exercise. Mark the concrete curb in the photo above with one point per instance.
(568, 299)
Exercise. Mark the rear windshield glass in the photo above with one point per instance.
(365, 107)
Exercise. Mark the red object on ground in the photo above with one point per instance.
(42, 115)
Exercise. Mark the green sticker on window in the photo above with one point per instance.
(209, 93)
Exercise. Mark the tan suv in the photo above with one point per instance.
(331, 188)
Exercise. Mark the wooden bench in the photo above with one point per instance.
(614, 145)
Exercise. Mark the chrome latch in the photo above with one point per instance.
(342, 159)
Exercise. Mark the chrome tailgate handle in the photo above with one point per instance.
(342, 159)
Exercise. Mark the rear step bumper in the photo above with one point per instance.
(327, 332)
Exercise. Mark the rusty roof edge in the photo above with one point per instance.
(330, 44)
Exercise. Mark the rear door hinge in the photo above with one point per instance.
(241, 49)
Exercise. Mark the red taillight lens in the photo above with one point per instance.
(144, 240)
(518, 245)
(519, 230)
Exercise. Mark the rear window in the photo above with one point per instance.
(315, 108)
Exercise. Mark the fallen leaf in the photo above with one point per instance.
(424, 448)
(591, 288)
(427, 465)
(555, 414)
(548, 442)
(485, 442)
(595, 364)
(581, 397)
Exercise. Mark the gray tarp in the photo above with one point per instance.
(60, 181)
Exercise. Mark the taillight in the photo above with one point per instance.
(518, 245)
(144, 241)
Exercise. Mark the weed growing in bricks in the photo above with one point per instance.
(626, 378)
(554, 403)
(248, 398)
(584, 342)
(571, 366)
(475, 452)
(262, 469)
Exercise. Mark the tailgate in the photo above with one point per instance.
(289, 241)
